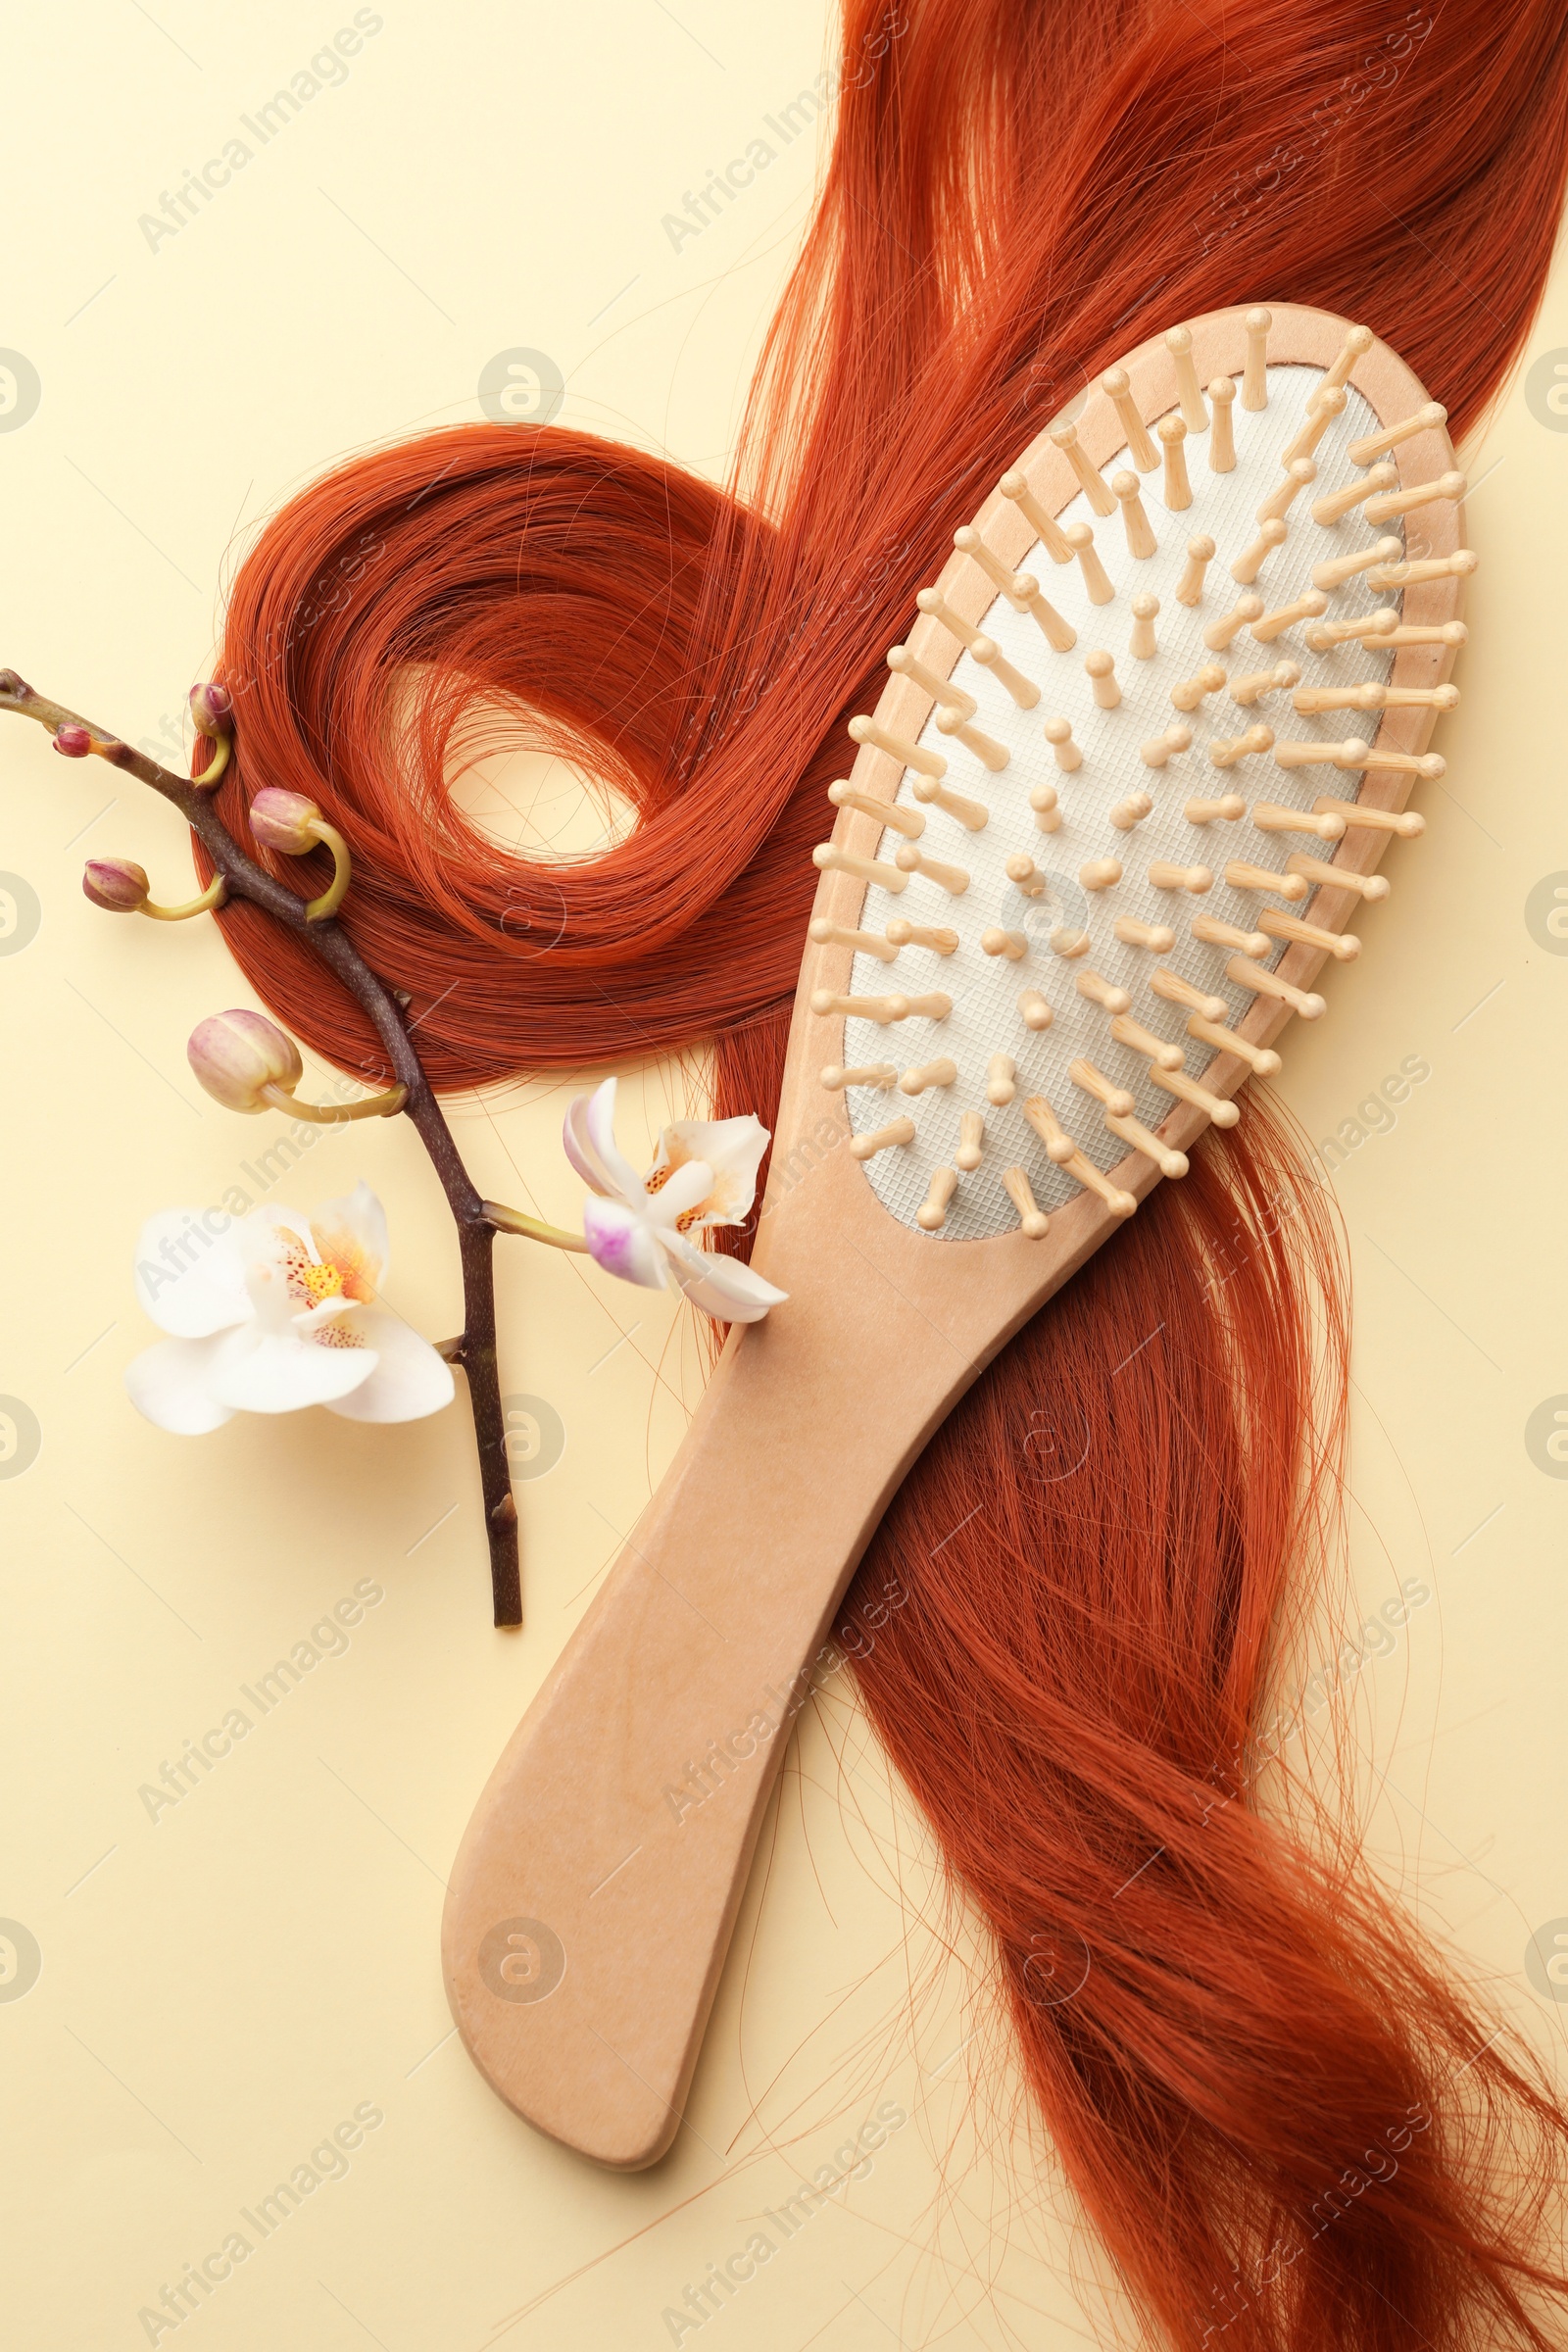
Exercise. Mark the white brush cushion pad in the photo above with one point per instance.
(985, 990)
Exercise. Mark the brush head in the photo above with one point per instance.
(1092, 788)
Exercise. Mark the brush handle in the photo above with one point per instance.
(614, 1867)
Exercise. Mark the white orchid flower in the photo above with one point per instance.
(637, 1226)
(274, 1311)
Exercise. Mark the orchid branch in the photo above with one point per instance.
(298, 828)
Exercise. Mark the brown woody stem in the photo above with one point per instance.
(475, 1348)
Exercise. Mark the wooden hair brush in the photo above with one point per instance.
(1129, 781)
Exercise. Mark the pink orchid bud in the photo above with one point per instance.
(234, 1055)
(73, 742)
(212, 708)
(118, 884)
(284, 820)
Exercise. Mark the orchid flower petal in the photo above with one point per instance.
(619, 1241)
(409, 1380)
(599, 1121)
(273, 1218)
(351, 1234)
(719, 1301)
(258, 1371)
(171, 1384)
(723, 1287)
(190, 1281)
(578, 1147)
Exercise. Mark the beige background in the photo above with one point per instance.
(224, 1984)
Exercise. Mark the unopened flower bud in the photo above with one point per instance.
(284, 820)
(118, 884)
(236, 1055)
(73, 741)
(212, 708)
